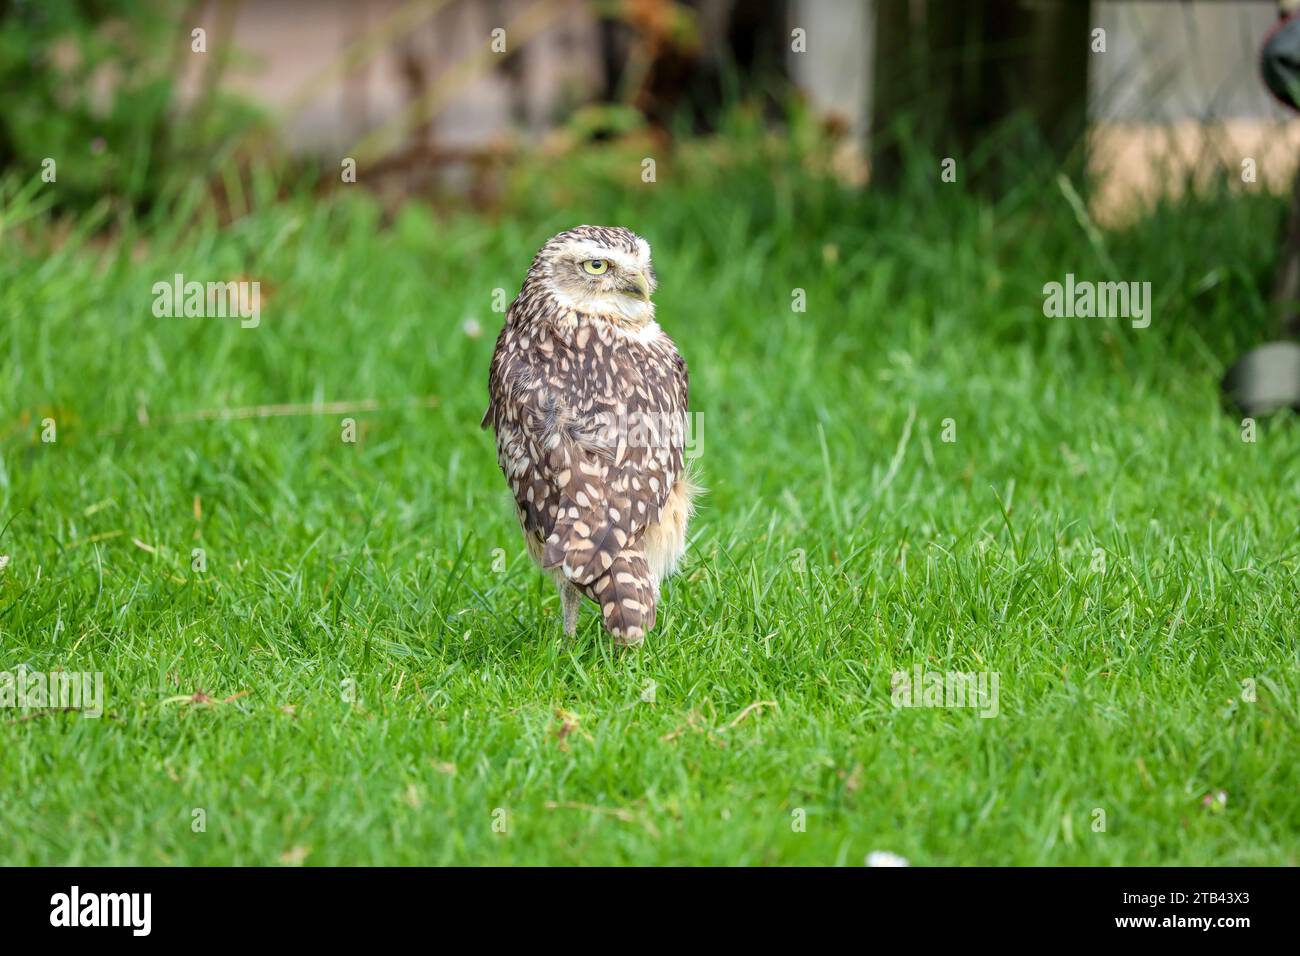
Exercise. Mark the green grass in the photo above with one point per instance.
(842, 539)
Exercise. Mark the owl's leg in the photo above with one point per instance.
(571, 602)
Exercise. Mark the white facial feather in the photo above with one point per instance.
(637, 311)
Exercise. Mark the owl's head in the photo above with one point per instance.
(603, 271)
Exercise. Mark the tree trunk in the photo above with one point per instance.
(950, 72)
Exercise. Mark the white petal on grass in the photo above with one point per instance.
(885, 858)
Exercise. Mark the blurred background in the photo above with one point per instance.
(441, 98)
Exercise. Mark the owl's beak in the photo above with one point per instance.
(640, 287)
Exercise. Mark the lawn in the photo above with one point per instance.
(369, 670)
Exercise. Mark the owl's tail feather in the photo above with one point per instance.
(626, 597)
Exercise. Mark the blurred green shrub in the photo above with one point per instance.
(91, 85)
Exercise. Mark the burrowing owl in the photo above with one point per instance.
(588, 399)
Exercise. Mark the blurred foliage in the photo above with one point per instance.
(98, 95)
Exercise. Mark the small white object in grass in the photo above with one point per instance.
(4, 561)
(471, 328)
(885, 858)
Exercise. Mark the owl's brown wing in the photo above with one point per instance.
(618, 462)
(590, 435)
(499, 355)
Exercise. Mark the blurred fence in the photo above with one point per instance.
(1165, 61)
(432, 87)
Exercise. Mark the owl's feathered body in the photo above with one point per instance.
(588, 399)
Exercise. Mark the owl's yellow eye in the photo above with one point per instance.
(595, 267)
